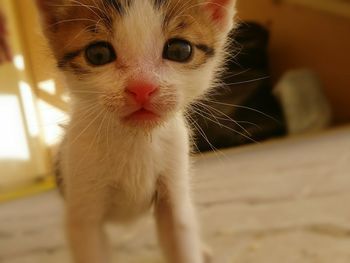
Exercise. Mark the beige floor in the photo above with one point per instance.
(286, 201)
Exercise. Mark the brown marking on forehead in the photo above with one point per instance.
(75, 24)
(174, 10)
(116, 5)
(160, 3)
(88, 16)
(78, 23)
(120, 6)
(186, 20)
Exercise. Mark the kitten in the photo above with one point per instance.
(132, 68)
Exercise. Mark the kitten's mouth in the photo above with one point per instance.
(142, 115)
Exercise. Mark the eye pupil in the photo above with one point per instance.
(178, 50)
(99, 54)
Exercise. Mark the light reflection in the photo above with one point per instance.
(18, 61)
(52, 119)
(13, 142)
(29, 108)
(65, 97)
(48, 86)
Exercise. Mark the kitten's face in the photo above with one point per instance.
(141, 60)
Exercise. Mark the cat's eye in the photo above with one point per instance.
(100, 53)
(178, 50)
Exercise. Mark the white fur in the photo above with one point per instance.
(112, 171)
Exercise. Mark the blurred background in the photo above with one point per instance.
(289, 77)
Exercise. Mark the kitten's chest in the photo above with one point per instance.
(132, 182)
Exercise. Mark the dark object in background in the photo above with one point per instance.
(244, 105)
(5, 51)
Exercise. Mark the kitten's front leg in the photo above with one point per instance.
(176, 221)
(87, 242)
(86, 236)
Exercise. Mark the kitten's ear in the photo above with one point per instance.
(221, 12)
(50, 10)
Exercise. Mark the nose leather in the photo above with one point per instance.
(141, 91)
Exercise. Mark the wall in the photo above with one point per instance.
(42, 63)
(22, 153)
(303, 37)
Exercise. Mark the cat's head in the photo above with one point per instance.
(142, 60)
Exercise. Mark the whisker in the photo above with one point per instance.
(248, 81)
(202, 133)
(87, 92)
(87, 127)
(206, 106)
(244, 107)
(72, 20)
(236, 74)
(229, 128)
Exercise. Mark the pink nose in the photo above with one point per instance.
(141, 91)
